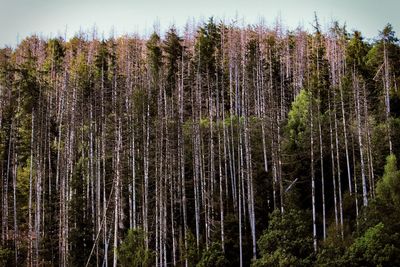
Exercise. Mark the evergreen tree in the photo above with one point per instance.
(287, 240)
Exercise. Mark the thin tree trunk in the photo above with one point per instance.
(30, 225)
(360, 142)
(313, 174)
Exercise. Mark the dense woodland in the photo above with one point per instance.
(215, 145)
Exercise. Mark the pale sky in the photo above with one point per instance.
(50, 18)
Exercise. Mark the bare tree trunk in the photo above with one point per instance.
(338, 166)
(196, 152)
(181, 153)
(333, 163)
(30, 224)
(345, 138)
(146, 132)
(360, 142)
(387, 94)
(355, 179)
(322, 168)
(220, 175)
(240, 172)
(369, 151)
(118, 140)
(14, 181)
(313, 174)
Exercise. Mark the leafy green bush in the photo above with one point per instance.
(375, 248)
(133, 252)
(287, 240)
(213, 257)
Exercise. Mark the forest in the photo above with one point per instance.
(218, 144)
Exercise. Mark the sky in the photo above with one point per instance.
(51, 18)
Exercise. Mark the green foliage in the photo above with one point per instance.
(379, 141)
(388, 34)
(395, 128)
(154, 53)
(246, 75)
(81, 71)
(5, 256)
(23, 174)
(132, 251)
(173, 50)
(375, 56)
(55, 55)
(213, 257)
(330, 256)
(287, 241)
(207, 45)
(388, 188)
(298, 118)
(375, 248)
(356, 52)
(81, 227)
(378, 242)
(191, 254)
(101, 60)
(5, 67)
(29, 84)
(296, 147)
(332, 249)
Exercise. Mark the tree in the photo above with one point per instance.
(380, 60)
(287, 240)
(203, 131)
(378, 241)
(81, 230)
(213, 257)
(375, 248)
(132, 251)
(388, 188)
(173, 49)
